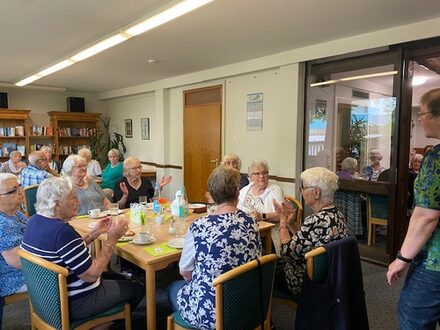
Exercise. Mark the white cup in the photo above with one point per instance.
(143, 237)
(114, 209)
(95, 213)
(159, 219)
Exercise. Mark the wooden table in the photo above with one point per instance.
(151, 264)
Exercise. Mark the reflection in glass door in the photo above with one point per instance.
(350, 123)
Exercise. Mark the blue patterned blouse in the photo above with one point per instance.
(11, 233)
(222, 242)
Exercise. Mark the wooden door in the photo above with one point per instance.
(202, 145)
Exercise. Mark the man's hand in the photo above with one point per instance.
(396, 270)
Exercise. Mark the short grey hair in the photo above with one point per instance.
(376, 153)
(85, 153)
(231, 157)
(257, 163)
(349, 163)
(418, 157)
(114, 152)
(71, 161)
(46, 149)
(50, 192)
(128, 161)
(224, 184)
(35, 156)
(323, 179)
(5, 177)
(13, 153)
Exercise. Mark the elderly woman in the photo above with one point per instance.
(257, 198)
(49, 236)
(93, 167)
(227, 238)
(113, 172)
(371, 172)
(51, 163)
(90, 195)
(232, 160)
(12, 226)
(419, 305)
(14, 165)
(348, 168)
(416, 163)
(133, 185)
(326, 224)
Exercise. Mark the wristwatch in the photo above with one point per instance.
(401, 257)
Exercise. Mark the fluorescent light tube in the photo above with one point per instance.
(54, 68)
(27, 80)
(328, 82)
(99, 47)
(167, 15)
(371, 75)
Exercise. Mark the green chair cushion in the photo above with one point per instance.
(181, 322)
(111, 311)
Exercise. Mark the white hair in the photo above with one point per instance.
(85, 153)
(5, 177)
(13, 153)
(35, 156)
(257, 163)
(72, 161)
(231, 157)
(46, 149)
(128, 161)
(349, 163)
(418, 157)
(50, 192)
(322, 178)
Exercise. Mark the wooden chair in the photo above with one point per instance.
(317, 264)
(242, 297)
(299, 208)
(30, 198)
(7, 300)
(49, 306)
(377, 215)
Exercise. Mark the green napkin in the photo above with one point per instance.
(158, 250)
(122, 243)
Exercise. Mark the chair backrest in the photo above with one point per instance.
(30, 198)
(243, 295)
(378, 206)
(47, 289)
(317, 264)
(298, 206)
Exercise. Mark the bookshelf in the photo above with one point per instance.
(72, 130)
(14, 134)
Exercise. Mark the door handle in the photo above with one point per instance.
(216, 161)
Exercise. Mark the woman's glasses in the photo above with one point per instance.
(12, 191)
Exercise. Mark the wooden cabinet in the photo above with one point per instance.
(72, 130)
(14, 132)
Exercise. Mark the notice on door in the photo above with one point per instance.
(254, 120)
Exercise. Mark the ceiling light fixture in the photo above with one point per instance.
(163, 15)
(371, 75)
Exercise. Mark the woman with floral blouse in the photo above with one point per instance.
(214, 245)
(326, 224)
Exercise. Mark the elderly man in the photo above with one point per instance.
(133, 185)
(37, 171)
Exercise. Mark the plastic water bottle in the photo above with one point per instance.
(183, 205)
(156, 197)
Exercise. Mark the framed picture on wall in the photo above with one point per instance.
(145, 128)
(128, 128)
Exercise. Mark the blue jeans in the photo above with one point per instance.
(419, 303)
(173, 289)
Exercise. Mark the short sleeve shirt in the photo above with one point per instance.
(427, 195)
(90, 198)
(11, 232)
(32, 175)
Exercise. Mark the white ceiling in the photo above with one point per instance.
(37, 33)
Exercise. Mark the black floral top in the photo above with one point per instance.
(317, 229)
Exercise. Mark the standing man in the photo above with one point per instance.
(419, 304)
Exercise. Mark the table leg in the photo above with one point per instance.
(150, 297)
(267, 242)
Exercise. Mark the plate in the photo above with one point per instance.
(107, 212)
(176, 243)
(196, 206)
(152, 240)
(125, 239)
(101, 215)
(92, 225)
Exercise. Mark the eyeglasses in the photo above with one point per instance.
(305, 188)
(420, 114)
(264, 173)
(80, 166)
(12, 191)
(134, 168)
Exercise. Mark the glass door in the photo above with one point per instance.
(351, 114)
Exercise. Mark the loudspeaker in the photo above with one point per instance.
(3, 100)
(75, 104)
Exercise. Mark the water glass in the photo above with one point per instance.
(180, 227)
(114, 209)
(143, 200)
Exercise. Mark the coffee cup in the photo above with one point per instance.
(143, 237)
(95, 213)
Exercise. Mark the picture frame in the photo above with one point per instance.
(128, 128)
(145, 128)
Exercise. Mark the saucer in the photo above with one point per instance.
(125, 239)
(176, 242)
(152, 240)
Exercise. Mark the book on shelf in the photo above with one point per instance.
(7, 148)
(41, 130)
(22, 149)
(7, 131)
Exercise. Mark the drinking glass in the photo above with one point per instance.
(180, 227)
(114, 209)
(143, 200)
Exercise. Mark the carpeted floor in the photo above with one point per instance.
(381, 304)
